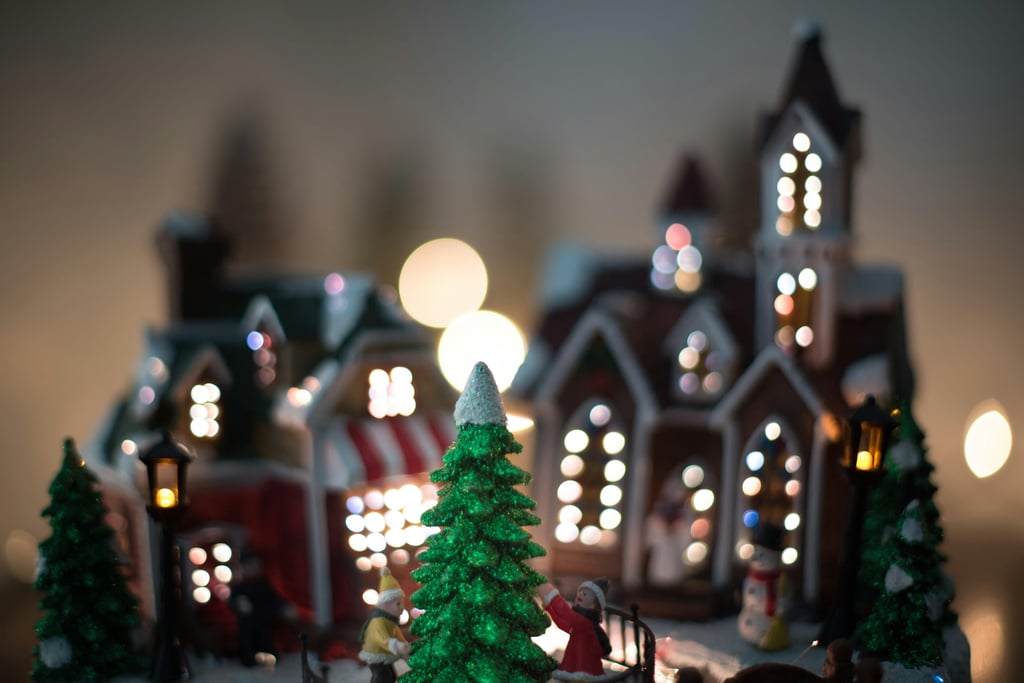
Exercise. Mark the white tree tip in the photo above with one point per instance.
(480, 402)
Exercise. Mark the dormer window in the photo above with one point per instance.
(205, 412)
(391, 392)
(794, 309)
(799, 188)
(700, 367)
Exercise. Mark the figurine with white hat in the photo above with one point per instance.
(382, 638)
(588, 643)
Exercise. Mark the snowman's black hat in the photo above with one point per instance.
(768, 535)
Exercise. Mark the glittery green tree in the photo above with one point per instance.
(906, 620)
(907, 478)
(478, 593)
(89, 615)
(901, 580)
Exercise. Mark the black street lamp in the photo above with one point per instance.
(166, 466)
(866, 435)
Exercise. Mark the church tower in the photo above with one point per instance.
(809, 147)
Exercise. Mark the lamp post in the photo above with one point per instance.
(166, 466)
(866, 431)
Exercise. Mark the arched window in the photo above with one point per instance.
(593, 475)
(799, 187)
(794, 308)
(680, 528)
(772, 474)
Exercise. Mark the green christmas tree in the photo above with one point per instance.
(901, 579)
(907, 478)
(89, 615)
(477, 590)
(906, 621)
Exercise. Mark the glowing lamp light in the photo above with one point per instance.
(868, 430)
(988, 439)
(166, 466)
(442, 280)
(165, 498)
(481, 336)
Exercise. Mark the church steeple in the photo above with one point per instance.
(810, 81)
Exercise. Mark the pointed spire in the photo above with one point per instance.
(689, 192)
(480, 402)
(810, 81)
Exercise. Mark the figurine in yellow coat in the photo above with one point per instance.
(382, 639)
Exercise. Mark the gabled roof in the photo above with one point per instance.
(771, 357)
(598, 322)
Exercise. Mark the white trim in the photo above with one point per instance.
(771, 356)
(721, 570)
(261, 312)
(319, 539)
(812, 513)
(639, 479)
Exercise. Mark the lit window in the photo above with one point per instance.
(213, 567)
(204, 414)
(770, 482)
(699, 367)
(592, 468)
(391, 392)
(799, 197)
(794, 309)
(384, 527)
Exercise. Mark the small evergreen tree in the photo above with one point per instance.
(478, 594)
(906, 621)
(86, 632)
(901, 580)
(907, 478)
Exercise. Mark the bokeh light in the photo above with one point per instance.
(988, 439)
(20, 552)
(481, 336)
(984, 628)
(442, 280)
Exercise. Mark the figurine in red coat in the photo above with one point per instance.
(588, 643)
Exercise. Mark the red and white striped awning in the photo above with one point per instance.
(363, 450)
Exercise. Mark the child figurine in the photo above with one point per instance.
(257, 606)
(761, 620)
(588, 643)
(381, 637)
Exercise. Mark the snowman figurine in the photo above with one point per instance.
(761, 620)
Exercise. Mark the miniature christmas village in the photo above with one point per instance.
(725, 472)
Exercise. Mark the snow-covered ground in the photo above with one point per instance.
(712, 647)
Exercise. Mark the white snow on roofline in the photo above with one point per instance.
(872, 288)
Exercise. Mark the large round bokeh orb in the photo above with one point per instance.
(481, 336)
(988, 440)
(441, 280)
